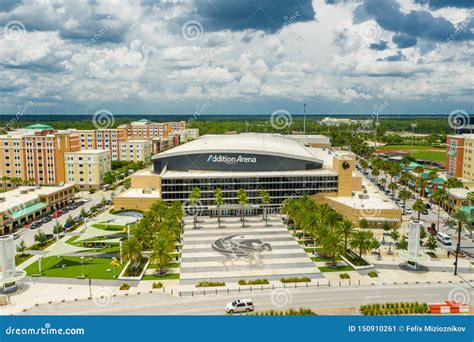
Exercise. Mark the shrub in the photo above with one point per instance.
(254, 282)
(124, 286)
(296, 280)
(157, 285)
(373, 274)
(210, 283)
(344, 276)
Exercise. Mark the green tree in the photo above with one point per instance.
(194, 198)
(404, 195)
(453, 183)
(266, 200)
(403, 243)
(462, 219)
(58, 229)
(333, 245)
(470, 197)
(5, 180)
(163, 247)
(21, 247)
(347, 229)
(419, 207)
(243, 198)
(219, 201)
(431, 243)
(363, 241)
(395, 235)
(132, 250)
(40, 237)
(363, 223)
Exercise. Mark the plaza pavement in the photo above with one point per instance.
(200, 262)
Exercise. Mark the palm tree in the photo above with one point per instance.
(163, 246)
(21, 248)
(404, 195)
(462, 218)
(194, 198)
(363, 241)
(439, 196)
(347, 228)
(453, 183)
(218, 200)
(132, 250)
(395, 235)
(333, 245)
(243, 201)
(419, 207)
(266, 200)
(470, 197)
(5, 179)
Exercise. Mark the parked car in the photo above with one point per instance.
(78, 219)
(240, 305)
(46, 219)
(444, 238)
(65, 210)
(408, 211)
(431, 230)
(425, 212)
(57, 214)
(427, 206)
(35, 225)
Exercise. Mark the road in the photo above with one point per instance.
(163, 304)
(27, 235)
(432, 217)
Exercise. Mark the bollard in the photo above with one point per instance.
(262, 287)
(239, 289)
(284, 285)
(318, 283)
(227, 290)
(250, 288)
(204, 292)
(192, 293)
(306, 284)
(273, 286)
(216, 291)
(171, 291)
(179, 293)
(163, 289)
(295, 285)
(359, 281)
(339, 283)
(349, 282)
(329, 283)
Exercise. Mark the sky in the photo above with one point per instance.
(236, 56)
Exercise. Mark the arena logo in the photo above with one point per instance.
(230, 160)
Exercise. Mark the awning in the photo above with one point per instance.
(92, 233)
(62, 248)
(28, 210)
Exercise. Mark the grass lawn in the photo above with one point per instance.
(336, 269)
(106, 226)
(20, 258)
(322, 259)
(430, 155)
(407, 147)
(161, 277)
(96, 269)
(37, 247)
(311, 249)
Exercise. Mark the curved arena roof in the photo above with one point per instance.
(252, 143)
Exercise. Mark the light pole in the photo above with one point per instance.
(82, 262)
(39, 264)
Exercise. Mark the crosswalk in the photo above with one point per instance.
(233, 252)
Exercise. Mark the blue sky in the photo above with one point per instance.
(236, 57)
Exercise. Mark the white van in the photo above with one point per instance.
(444, 238)
(240, 305)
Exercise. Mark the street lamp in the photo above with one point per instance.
(39, 264)
(82, 262)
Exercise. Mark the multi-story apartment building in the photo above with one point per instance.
(468, 160)
(454, 155)
(106, 139)
(86, 168)
(147, 129)
(136, 150)
(35, 153)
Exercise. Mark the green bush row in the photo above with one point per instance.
(124, 286)
(373, 274)
(344, 276)
(254, 282)
(157, 285)
(296, 280)
(289, 312)
(394, 309)
(210, 283)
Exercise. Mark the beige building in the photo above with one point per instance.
(86, 168)
(468, 159)
(27, 203)
(136, 150)
(102, 139)
(35, 154)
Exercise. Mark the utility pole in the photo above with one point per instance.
(304, 118)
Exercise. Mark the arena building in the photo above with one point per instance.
(284, 167)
